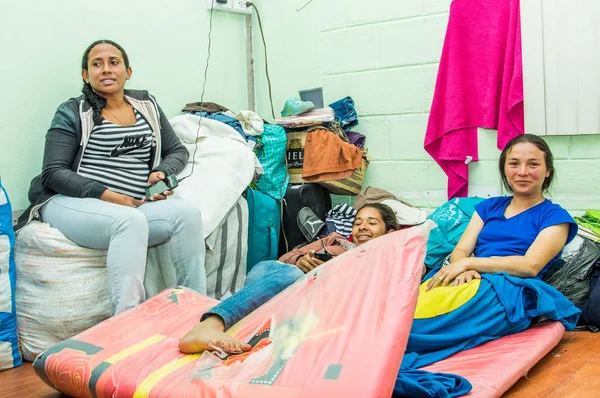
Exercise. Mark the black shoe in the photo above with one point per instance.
(309, 224)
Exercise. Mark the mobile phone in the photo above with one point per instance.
(323, 256)
(160, 186)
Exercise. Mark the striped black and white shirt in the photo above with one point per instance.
(119, 156)
(340, 219)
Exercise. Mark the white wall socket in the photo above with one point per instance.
(240, 6)
(220, 6)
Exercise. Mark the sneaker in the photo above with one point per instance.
(293, 107)
(309, 224)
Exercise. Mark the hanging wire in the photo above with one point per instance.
(210, 26)
(262, 34)
(304, 6)
(203, 90)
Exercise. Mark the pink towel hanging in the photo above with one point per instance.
(479, 84)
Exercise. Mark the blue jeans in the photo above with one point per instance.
(127, 233)
(264, 281)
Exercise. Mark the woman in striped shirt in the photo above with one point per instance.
(102, 150)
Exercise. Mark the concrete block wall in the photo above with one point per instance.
(390, 69)
(385, 55)
(167, 46)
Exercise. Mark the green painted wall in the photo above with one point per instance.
(43, 41)
(385, 55)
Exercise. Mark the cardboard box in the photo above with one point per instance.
(296, 142)
(348, 186)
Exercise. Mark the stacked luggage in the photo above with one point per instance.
(323, 156)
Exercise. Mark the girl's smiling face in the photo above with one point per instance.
(368, 225)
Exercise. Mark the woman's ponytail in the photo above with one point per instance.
(97, 102)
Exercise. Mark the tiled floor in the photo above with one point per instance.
(572, 369)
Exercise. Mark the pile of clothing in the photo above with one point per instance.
(589, 225)
(322, 147)
(267, 141)
(248, 124)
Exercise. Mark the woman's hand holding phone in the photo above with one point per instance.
(308, 262)
(157, 187)
(323, 256)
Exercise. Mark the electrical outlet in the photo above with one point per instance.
(220, 5)
(240, 6)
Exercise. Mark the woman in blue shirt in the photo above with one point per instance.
(521, 235)
(492, 286)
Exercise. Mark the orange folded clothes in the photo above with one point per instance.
(327, 157)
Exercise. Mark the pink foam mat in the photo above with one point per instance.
(493, 367)
(310, 339)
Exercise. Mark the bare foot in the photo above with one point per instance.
(210, 332)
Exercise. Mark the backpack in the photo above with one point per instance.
(9, 345)
(264, 217)
(271, 155)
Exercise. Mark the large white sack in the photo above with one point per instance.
(224, 166)
(226, 252)
(62, 288)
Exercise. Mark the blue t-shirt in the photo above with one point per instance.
(513, 236)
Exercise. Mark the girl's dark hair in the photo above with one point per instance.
(97, 102)
(386, 213)
(541, 145)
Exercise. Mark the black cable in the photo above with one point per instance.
(203, 90)
(262, 34)
(304, 6)
(208, 55)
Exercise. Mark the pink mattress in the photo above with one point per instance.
(493, 367)
(340, 331)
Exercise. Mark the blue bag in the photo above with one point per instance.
(264, 224)
(272, 154)
(345, 114)
(9, 347)
(452, 219)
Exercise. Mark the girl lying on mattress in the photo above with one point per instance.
(523, 234)
(267, 278)
(491, 288)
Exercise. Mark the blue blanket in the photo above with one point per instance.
(452, 319)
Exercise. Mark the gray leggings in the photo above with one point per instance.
(127, 233)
